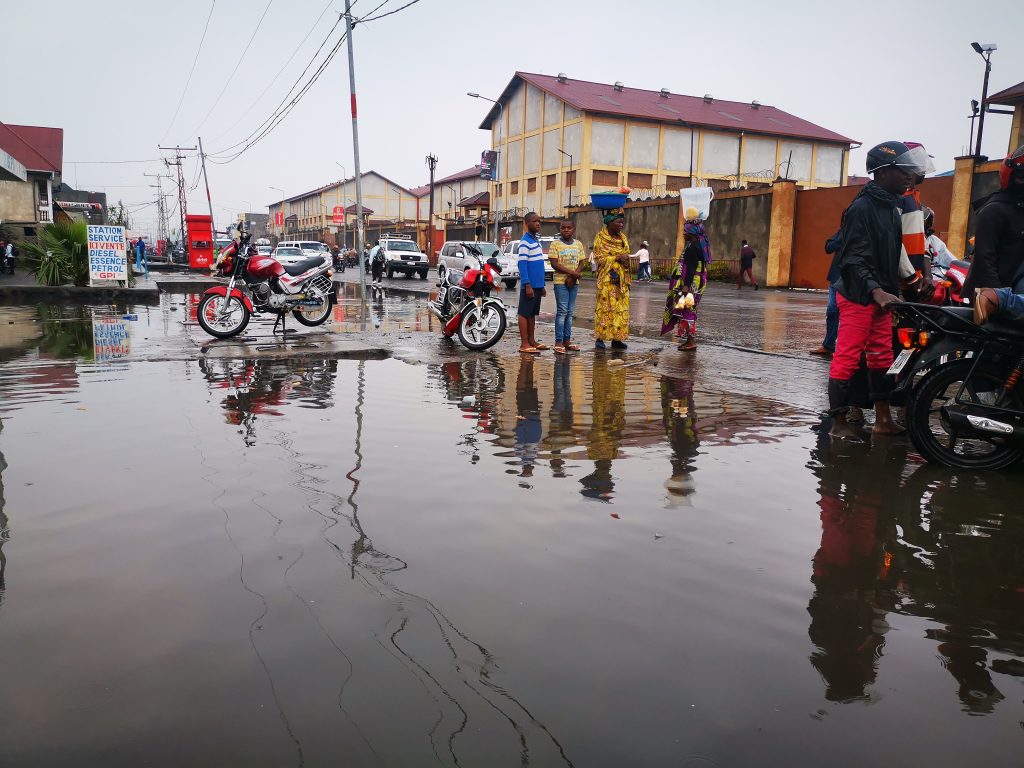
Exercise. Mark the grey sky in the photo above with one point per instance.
(110, 72)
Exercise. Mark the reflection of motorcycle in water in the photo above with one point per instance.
(255, 388)
(465, 305)
(262, 284)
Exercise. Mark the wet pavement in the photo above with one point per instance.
(278, 557)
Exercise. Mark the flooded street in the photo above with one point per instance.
(482, 559)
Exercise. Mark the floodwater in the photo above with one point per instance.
(487, 561)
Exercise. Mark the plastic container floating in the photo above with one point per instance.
(699, 198)
(608, 200)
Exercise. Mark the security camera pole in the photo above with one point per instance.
(985, 51)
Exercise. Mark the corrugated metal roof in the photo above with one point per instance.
(643, 104)
(35, 147)
(465, 174)
(1009, 96)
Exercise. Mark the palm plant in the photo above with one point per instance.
(61, 255)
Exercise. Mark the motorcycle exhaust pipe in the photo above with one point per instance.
(971, 422)
(434, 310)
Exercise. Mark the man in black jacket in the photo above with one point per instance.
(999, 243)
(868, 286)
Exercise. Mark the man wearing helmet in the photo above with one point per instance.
(869, 267)
(999, 245)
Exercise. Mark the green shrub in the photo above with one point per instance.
(719, 270)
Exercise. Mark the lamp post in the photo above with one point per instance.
(985, 51)
(344, 204)
(568, 201)
(974, 116)
(497, 172)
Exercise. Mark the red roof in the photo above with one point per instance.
(479, 199)
(603, 98)
(420, 191)
(352, 209)
(466, 174)
(35, 147)
(1009, 96)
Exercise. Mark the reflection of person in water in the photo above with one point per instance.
(3, 526)
(528, 426)
(847, 622)
(680, 418)
(608, 419)
(560, 431)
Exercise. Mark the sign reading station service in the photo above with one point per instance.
(108, 259)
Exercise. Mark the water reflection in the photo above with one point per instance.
(899, 538)
(679, 412)
(255, 388)
(4, 530)
(607, 423)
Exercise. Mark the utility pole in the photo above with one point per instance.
(182, 205)
(431, 164)
(161, 212)
(355, 148)
(202, 159)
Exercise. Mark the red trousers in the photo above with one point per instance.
(863, 330)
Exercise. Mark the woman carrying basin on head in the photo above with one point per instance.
(611, 304)
(686, 286)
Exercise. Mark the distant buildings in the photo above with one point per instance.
(1013, 97)
(559, 139)
(31, 160)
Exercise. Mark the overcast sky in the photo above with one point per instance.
(111, 73)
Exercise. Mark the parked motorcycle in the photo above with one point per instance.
(263, 284)
(963, 388)
(465, 305)
(949, 283)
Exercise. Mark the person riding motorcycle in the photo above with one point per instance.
(999, 232)
(937, 251)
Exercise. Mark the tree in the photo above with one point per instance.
(61, 255)
(117, 216)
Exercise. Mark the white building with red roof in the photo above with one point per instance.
(559, 139)
(31, 161)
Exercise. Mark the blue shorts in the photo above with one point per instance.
(529, 307)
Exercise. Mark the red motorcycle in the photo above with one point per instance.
(949, 283)
(262, 284)
(465, 305)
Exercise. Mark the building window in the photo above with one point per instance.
(551, 181)
(605, 178)
(531, 184)
(570, 178)
(515, 188)
(675, 183)
(641, 180)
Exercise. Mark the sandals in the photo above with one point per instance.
(559, 349)
(541, 347)
(572, 348)
(529, 351)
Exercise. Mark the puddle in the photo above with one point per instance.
(485, 562)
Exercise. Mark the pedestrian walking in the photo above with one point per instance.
(140, 250)
(747, 256)
(566, 256)
(7, 250)
(643, 270)
(531, 272)
(686, 286)
(828, 344)
(611, 304)
(869, 263)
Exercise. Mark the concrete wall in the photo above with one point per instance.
(18, 202)
(738, 216)
(654, 221)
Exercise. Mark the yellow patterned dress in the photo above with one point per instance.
(611, 305)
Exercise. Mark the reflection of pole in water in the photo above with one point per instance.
(4, 534)
(360, 544)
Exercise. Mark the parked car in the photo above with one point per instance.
(289, 254)
(511, 251)
(264, 250)
(453, 257)
(401, 254)
(308, 248)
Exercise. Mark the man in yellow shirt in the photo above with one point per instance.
(566, 256)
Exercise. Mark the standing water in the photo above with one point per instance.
(489, 561)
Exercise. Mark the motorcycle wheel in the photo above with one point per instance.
(222, 316)
(933, 435)
(314, 315)
(482, 327)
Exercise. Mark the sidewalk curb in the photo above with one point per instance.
(79, 293)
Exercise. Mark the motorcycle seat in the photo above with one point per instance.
(452, 277)
(303, 266)
(1012, 330)
(965, 265)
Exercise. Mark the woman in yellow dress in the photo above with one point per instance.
(611, 305)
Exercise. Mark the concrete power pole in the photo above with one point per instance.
(431, 164)
(355, 147)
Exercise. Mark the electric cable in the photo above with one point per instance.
(371, 17)
(191, 71)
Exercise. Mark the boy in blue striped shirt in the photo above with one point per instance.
(531, 272)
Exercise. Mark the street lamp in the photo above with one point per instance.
(497, 173)
(568, 201)
(985, 51)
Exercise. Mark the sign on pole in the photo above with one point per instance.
(489, 165)
(108, 259)
(339, 214)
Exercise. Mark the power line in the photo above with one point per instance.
(371, 17)
(110, 162)
(237, 65)
(278, 118)
(279, 72)
(277, 109)
(191, 71)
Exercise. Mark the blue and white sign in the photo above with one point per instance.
(108, 258)
(110, 338)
